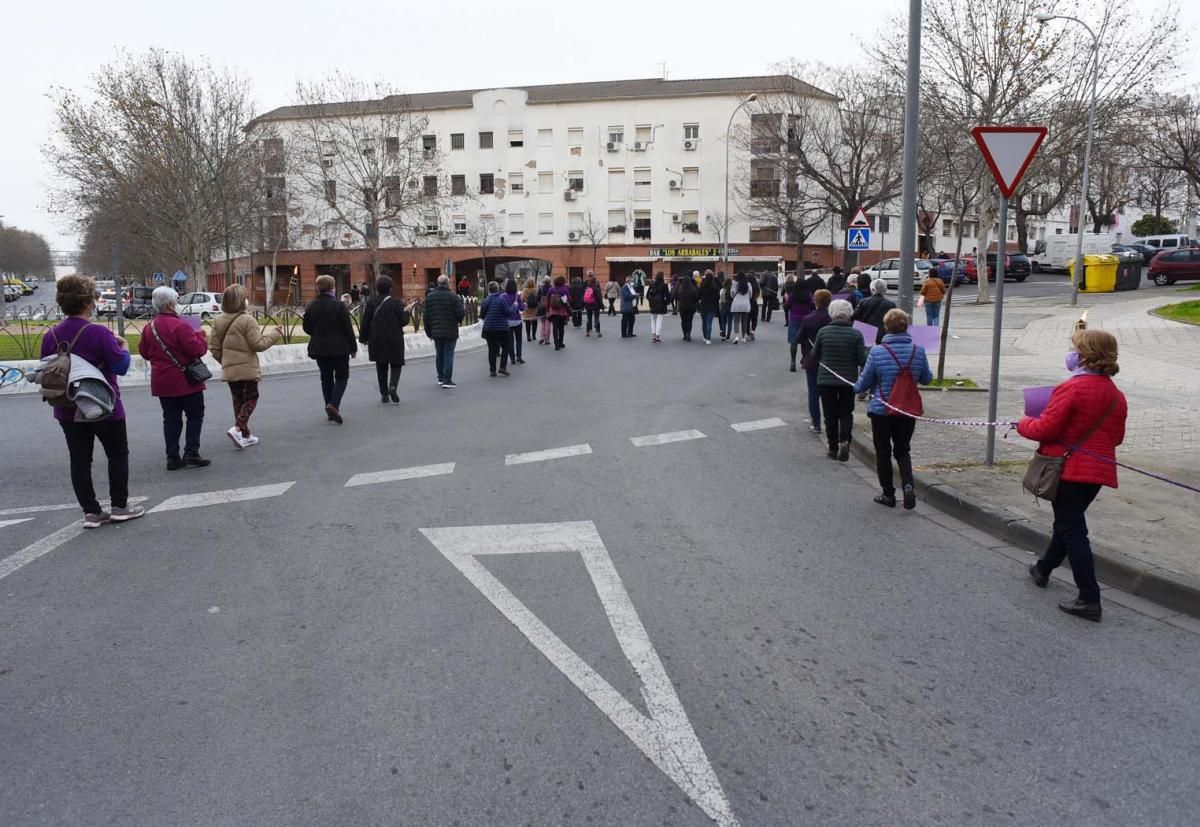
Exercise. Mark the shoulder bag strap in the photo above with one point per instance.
(892, 353)
(1112, 403)
(165, 349)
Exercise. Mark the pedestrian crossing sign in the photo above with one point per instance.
(858, 238)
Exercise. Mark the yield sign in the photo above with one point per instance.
(860, 219)
(1008, 151)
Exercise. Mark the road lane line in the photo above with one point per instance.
(43, 546)
(663, 439)
(231, 495)
(666, 737)
(397, 474)
(549, 453)
(758, 425)
(4, 523)
(37, 509)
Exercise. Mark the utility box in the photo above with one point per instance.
(1099, 273)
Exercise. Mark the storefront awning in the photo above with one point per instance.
(647, 259)
(626, 259)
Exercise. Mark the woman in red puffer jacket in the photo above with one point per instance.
(1084, 421)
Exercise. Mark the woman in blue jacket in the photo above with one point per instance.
(629, 309)
(892, 431)
(495, 312)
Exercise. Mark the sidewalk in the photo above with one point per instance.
(1144, 532)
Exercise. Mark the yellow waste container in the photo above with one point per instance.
(1099, 273)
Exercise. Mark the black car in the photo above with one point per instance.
(136, 303)
(1017, 267)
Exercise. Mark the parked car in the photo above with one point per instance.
(1158, 243)
(137, 304)
(1171, 266)
(1017, 267)
(955, 267)
(1128, 250)
(22, 288)
(204, 305)
(11, 293)
(106, 305)
(889, 271)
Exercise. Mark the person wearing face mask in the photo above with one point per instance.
(1085, 422)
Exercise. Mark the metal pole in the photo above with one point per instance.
(1080, 270)
(118, 286)
(908, 197)
(997, 320)
(725, 232)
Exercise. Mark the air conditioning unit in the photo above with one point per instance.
(443, 233)
(689, 144)
(675, 218)
(327, 243)
(673, 184)
(612, 146)
(572, 236)
(638, 146)
(568, 195)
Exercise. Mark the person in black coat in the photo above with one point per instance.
(382, 331)
(687, 298)
(331, 343)
(443, 313)
(709, 301)
(770, 294)
(575, 300)
(873, 309)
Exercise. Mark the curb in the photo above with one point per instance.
(1168, 589)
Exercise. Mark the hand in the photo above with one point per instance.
(124, 344)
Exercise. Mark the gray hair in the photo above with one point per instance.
(841, 310)
(443, 280)
(162, 298)
(879, 287)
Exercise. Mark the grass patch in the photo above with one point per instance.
(1187, 312)
(954, 382)
(1195, 288)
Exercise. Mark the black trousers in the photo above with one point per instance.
(593, 317)
(577, 318)
(767, 309)
(497, 345)
(685, 322)
(752, 319)
(81, 439)
(387, 383)
(530, 329)
(837, 402)
(335, 375)
(1070, 537)
(892, 436)
(174, 409)
(612, 307)
(559, 325)
(627, 320)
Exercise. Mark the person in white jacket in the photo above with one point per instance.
(739, 292)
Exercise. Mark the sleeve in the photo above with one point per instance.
(307, 323)
(258, 340)
(217, 340)
(403, 316)
(364, 327)
(869, 377)
(348, 328)
(1048, 426)
(144, 341)
(47, 344)
(194, 346)
(116, 358)
(863, 350)
(817, 350)
(460, 309)
(121, 366)
(861, 310)
(425, 318)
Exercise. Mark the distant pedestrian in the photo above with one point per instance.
(933, 291)
(740, 292)
(464, 287)
(641, 286)
(892, 431)
(96, 345)
(235, 343)
(839, 352)
(836, 282)
(558, 308)
(658, 295)
(444, 312)
(612, 292)
(708, 299)
(873, 310)
(1085, 422)
(755, 300)
(365, 292)
(629, 308)
(355, 295)
(494, 311)
(170, 344)
(382, 331)
(687, 299)
(725, 317)
(543, 308)
(593, 303)
(770, 294)
(575, 300)
(516, 304)
(331, 343)
(798, 304)
(807, 336)
(529, 298)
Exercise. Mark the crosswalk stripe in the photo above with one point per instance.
(43, 546)
(4, 523)
(231, 495)
(758, 425)
(37, 509)
(549, 453)
(397, 474)
(663, 439)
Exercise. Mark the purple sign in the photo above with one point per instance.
(1036, 400)
(869, 331)
(193, 322)
(929, 338)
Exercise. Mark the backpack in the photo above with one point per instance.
(904, 397)
(555, 301)
(589, 296)
(55, 377)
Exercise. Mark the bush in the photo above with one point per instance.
(1153, 225)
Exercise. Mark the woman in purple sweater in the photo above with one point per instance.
(76, 295)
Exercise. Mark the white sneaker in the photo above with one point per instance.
(250, 440)
(707, 342)
(235, 436)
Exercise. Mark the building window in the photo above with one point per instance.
(575, 222)
(460, 224)
(641, 184)
(429, 145)
(1058, 231)
(516, 182)
(947, 228)
(277, 227)
(392, 193)
(575, 180)
(458, 185)
(764, 233)
(516, 138)
(616, 185)
(545, 137)
(485, 140)
(430, 187)
(763, 180)
(392, 146)
(458, 140)
(516, 223)
(370, 199)
(690, 221)
(431, 223)
(616, 221)
(273, 160)
(275, 191)
(367, 147)
(764, 132)
(331, 192)
(487, 183)
(641, 225)
(616, 134)
(643, 134)
(546, 182)
(691, 178)
(575, 138)
(1012, 236)
(545, 223)
(691, 131)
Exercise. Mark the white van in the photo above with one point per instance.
(1164, 242)
(1057, 250)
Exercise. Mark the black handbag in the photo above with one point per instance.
(195, 372)
(1044, 473)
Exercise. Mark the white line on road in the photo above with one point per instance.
(35, 509)
(666, 737)
(4, 523)
(549, 453)
(758, 425)
(232, 495)
(397, 474)
(663, 439)
(43, 546)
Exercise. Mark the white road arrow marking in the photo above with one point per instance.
(416, 472)
(231, 495)
(666, 737)
(758, 425)
(663, 439)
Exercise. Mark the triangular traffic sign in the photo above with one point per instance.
(860, 219)
(1008, 151)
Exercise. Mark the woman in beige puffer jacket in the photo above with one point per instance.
(235, 342)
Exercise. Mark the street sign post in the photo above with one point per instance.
(159, 278)
(858, 238)
(1008, 152)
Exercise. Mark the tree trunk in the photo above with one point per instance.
(269, 282)
(1022, 218)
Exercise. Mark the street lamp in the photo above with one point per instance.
(1043, 18)
(725, 231)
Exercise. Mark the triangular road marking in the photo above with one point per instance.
(1008, 151)
(666, 737)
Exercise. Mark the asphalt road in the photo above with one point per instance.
(719, 629)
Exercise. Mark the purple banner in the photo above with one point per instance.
(929, 338)
(1036, 399)
(193, 322)
(869, 332)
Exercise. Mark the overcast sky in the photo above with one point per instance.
(418, 47)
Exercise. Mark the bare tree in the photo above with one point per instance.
(594, 232)
(24, 252)
(715, 222)
(1158, 188)
(485, 235)
(1173, 139)
(365, 153)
